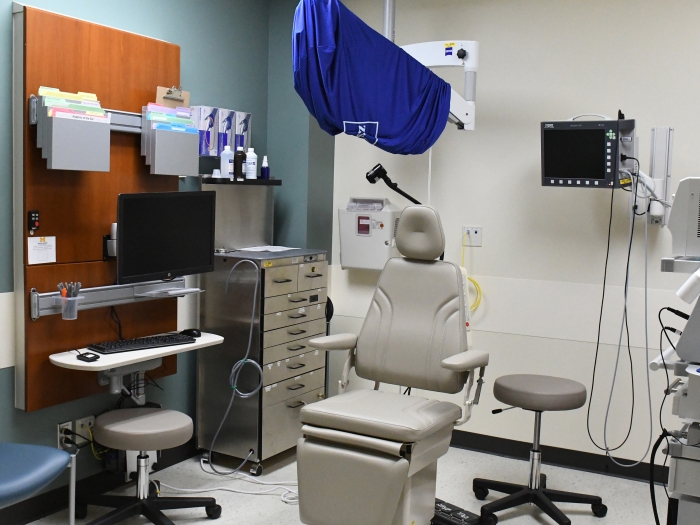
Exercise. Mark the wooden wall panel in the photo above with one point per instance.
(123, 70)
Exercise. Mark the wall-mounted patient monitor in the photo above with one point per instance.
(586, 154)
(164, 235)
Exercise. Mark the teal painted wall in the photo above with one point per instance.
(300, 152)
(224, 54)
(234, 54)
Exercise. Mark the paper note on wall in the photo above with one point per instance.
(41, 250)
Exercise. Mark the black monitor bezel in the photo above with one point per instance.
(610, 180)
(165, 275)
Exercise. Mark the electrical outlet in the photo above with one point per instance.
(472, 235)
(83, 427)
(60, 435)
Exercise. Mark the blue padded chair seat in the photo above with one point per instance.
(26, 469)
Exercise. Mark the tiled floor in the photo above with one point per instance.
(627, 501)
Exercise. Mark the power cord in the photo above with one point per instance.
(597, 345)
(289, 495)
(646, 336)
(115, 317)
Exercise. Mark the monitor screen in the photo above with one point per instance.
(574, 153)
(164, 235)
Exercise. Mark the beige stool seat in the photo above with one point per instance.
(384, 415)
(539, 393)
(143, 429)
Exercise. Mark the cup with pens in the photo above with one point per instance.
(69, 300)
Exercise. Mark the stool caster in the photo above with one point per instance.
(599, 510)
(213, 512)
(80, 511)
(490, 519)
(480, 493)
(256, 470)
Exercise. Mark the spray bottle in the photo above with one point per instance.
(265, 169)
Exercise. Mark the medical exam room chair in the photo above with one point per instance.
(369, 457)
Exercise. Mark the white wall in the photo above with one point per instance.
(541, 265)
(7, 330)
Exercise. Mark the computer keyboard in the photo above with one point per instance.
(141, 343)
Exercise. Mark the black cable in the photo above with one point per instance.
(663, 436)
(407, 392)
(597, 344)
(115, 317)
(152, 382)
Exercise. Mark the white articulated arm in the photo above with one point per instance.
(469, 361)
(339, 342)
(453, 53)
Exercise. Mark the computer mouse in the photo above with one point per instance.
(192, 332)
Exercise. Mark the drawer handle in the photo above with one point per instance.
(295, 387)
(298, 332)
(297, 300)
(296, 367)
(295, 348)
(314, 275)
(297, 316)
(281, 281)
(296, 405)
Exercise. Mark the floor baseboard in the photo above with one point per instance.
(560, 457)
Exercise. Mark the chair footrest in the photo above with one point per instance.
(448, 514)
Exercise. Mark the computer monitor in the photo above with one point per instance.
(164, 235)
(586, 154)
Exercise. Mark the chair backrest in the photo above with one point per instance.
(417, 316)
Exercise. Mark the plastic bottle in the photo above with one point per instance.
(251, 164)
(227, 163)
(265, 169)
(239, 161)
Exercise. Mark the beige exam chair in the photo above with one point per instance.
(369, 457)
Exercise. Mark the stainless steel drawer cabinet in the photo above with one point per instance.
(289, 310)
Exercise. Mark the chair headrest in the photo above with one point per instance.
(420, 235)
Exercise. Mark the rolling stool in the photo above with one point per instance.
(144, 429)
(539, 394)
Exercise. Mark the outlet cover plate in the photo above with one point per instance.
(81, 427)
(472, 236)
(59, 433)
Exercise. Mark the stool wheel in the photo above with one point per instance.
(256, 470)
(80, 511)
(599, 510)
(213, 512)
(480, 493)
(490, 519)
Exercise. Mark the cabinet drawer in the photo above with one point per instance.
(293, 366)
(281, 427)
(290, 317)
(295, 300)
(293, 333)
(293, 387)
(313, 275)
(282, 280)
(281, 352)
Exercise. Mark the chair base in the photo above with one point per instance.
(151, 508)
(543, 497)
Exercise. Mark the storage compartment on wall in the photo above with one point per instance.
(77, 207)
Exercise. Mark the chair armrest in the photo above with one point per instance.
(465, 361)
(334, 342)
